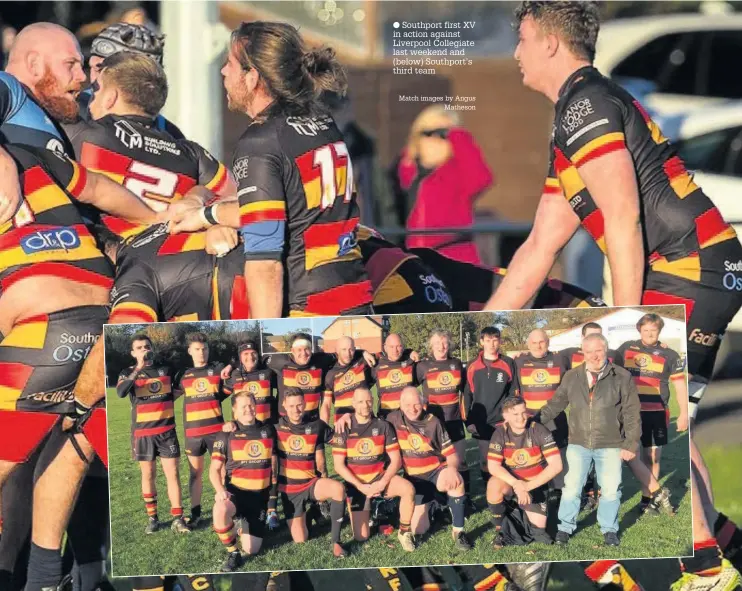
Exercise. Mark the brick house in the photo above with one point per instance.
(366, 331)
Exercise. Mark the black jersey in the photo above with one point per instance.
(652, 367)
(148, 161)
(298, 205)
(261, 383)
(151, 396)
(680, 224)
(47, 236)
(247, 453)
(341, 382)
(203, 397)
(309, 378)
(443, 386)
(169, 278)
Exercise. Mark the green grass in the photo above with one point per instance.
(134, 553)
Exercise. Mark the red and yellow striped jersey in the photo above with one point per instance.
(365, 448)
(540, 377)
(443, 384)
(652, 369)
(247, 453)
(47, 235)
(151, 396)
(203, 396)
(261, 383)
(297, 447)
(342, 380)
(424, 443)
(309, 378)
(575, 357)
(391, 378)
(524, 455)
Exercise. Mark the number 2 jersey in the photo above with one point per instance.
(148, 161)
(298, 206)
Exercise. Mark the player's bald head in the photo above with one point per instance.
(45, 39)
(361, 394)
(345, 342)
(538, 334)
(538, 343)
(346, 348)
(393, 347)
(411, 395)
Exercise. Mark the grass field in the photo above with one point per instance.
(133, 553)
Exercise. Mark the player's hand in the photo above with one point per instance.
(376, 489)
(189, 220)
(226, 372)
(627, 455)
(682, 423)
(10, 199)
(370, 358)
(516, 354)
(228, 427)
(450, 478)
(221, 496)
(415, 356)
(343, 423)
(220, 240)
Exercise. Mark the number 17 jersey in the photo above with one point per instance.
(148, 161)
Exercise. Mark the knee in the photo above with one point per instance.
(407, 490)
(338, 492)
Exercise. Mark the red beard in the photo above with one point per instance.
(60, 105)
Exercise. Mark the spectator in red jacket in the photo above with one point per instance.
(444, 172)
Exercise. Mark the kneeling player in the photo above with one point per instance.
(360, 455)
(303, 473)
(531, 459)
(249, 490)
(430, 463)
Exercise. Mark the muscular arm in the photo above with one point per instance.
(553, 467)
(91, 386)
(344, 472)
(264, 280)
(319, 458)
(497, 470)
(611, 181)
(215, 475)
(395, 464)
(324, 410)
(553, 226)
(109, 196)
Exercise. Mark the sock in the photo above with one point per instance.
(91, 574)
(706, 561)
(337, 510)
(727, 533)
(498, 514)
(610, 575)
(176, 512)
(404, 527)
(150, 503)
(44, 568)
(228, 537)
(196, 512)
(493, 582)
(466, 479)
(456, 504)
(485, 477)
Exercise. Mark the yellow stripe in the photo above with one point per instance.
(683, 186)
(393, 289)
(118, 178)
(145, 417)
(27, 336)
(598, 142)
(218, 176)
(8, 397)
(75, 175)
(215, 293)
(322, 255)
(250, 483)
(47, 198)
(196, 241)
(137, 307)
(644, 389)
(300, 314)
(728, 234)
(571, 182)
(536, 404)
(15, 256)
(313, 191)
(186, 317)
(687, 267)
(292, 474)
(209, 413)
(262, 206)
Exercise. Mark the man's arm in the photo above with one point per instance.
(218, 460)
(339, 455)
(319, 457)
(447, 448)
(125, 383)
(264, 280)
(10, 187)
(553, 467)
(558, 403)
(495, 458)
(324, 409)
(553, 226)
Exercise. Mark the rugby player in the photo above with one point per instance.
(303, 472)
(490, 379)
(202, 414)
(366, 456)
(350, 372)
(613, 171)
(394, 371)
(654, 367)
(47, 249)
(149, 387)
(430, 462)
(123, 142)
(442, 379)
(523, 459)
(254, 377)
(298, 207)
(248, 487)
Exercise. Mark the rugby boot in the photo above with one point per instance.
(728, 579)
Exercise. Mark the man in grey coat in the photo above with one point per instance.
(604, 427)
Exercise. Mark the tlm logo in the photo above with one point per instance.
(303, 125)
(499, 377)
(127, 135)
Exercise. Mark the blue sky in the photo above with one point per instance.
(287, 325)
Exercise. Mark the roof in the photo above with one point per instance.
(706, 120)
(373, 319)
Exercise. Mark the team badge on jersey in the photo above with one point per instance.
(374, 432)
(161, 372)
(211, 372)
(264, 434)
(308, 431)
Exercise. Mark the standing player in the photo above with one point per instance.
(653, 367)
(253, 377)
(366, 456)
(349, 373)
(394, 371)
(613, 171)
(149, 387)
(298, 211)
(523, 459)
(490, 379)
(430, 463)
(442, 380)
(202, 414)
(539, 373)
(244, 473)
(303, 471)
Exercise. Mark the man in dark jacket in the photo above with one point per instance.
(604, 427)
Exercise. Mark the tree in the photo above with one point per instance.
(288, 336)
(518, 325)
